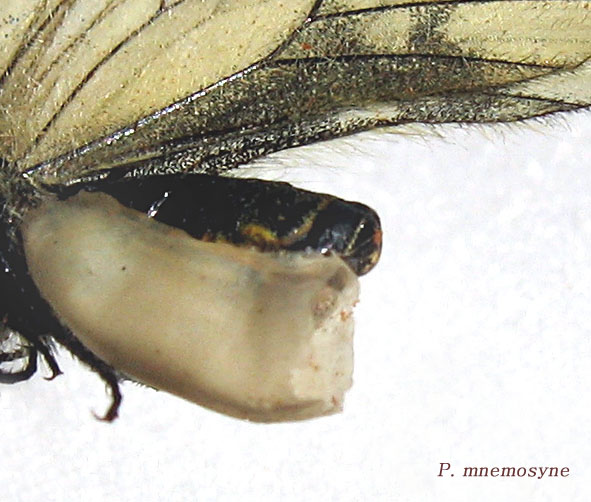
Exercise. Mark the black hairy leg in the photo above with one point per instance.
(29, 327)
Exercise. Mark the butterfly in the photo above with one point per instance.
(131, 115)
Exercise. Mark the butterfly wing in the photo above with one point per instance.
(184, 86)
(77, 70)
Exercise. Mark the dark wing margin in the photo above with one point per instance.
(354, 65)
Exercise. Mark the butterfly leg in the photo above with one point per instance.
(106, 372)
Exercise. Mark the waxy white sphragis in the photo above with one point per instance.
(261, 336)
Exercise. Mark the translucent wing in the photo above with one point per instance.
(207, 85)
(75, 70)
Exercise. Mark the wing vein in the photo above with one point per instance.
(93, 71)
(423, 4)
(28, 42)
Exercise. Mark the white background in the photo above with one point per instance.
(472, 347)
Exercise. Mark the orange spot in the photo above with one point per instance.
(377, 238)
(260, 236)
